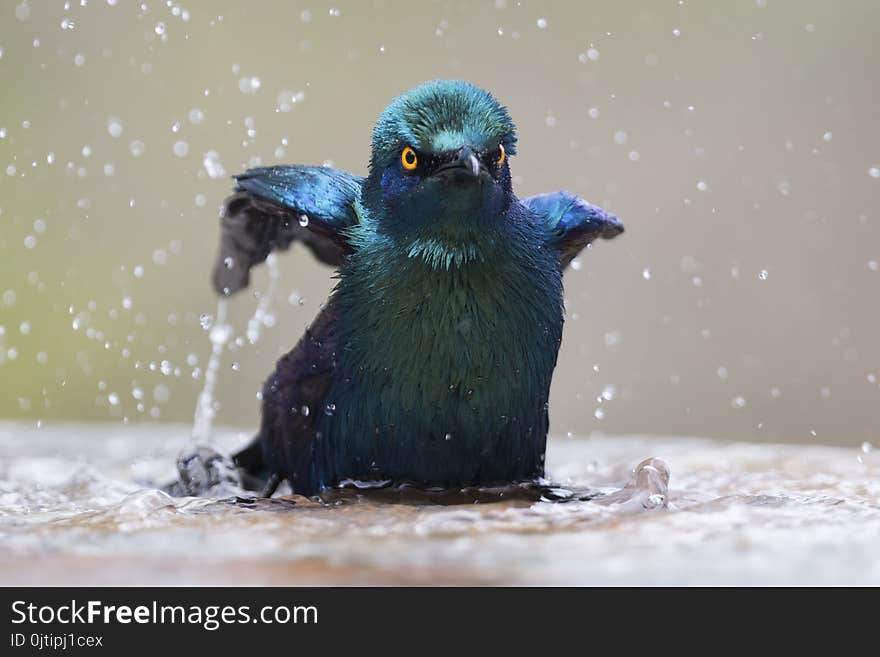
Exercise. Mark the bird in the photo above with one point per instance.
(430, 364)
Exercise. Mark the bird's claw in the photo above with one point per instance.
(205, 471)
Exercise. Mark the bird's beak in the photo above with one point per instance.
(467, 159)
(464, 163)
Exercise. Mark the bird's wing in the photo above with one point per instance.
(295, 401)
(574, 222)
(274, 206)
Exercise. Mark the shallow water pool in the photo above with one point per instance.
(79, 505)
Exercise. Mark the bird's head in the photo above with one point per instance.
(440, 159)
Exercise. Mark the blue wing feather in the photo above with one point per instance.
(573, 221)
(324, 195)
(274, 206)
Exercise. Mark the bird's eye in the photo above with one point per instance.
(502, 155)
(409, 159)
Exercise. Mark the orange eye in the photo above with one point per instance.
(409, 159)
(502, 155)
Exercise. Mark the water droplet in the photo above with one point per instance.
(161, 393)
(702, 185)
(542, 23)
(738, 402)
(23, 11)
(160, 257)
(448, 436)
(646, 274)
(181, 148)
(620, 137)
(113, 398)
(867, 447)
(196, 116)
(137, 148)
(220, 334)
(205, 321)
(160, 28)
(303, 220)
(613, 339)
(874, 172)
(305, 411)
(763, 275)
(212, 164)
(249, 85)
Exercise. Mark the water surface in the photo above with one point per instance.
(79, 505)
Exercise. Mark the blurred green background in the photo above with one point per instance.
(738, 141)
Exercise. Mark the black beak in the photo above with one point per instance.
(464, 163)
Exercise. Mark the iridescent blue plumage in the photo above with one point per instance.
(432, 360)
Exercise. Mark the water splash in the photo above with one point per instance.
(262, 315)
(220, 334)
(205, 411)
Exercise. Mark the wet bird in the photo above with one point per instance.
(431, 362)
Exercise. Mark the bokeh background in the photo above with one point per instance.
(739, 141)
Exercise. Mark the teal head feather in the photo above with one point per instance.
(439, 116)
(456, 135)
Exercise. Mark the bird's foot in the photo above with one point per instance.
(204, 471)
